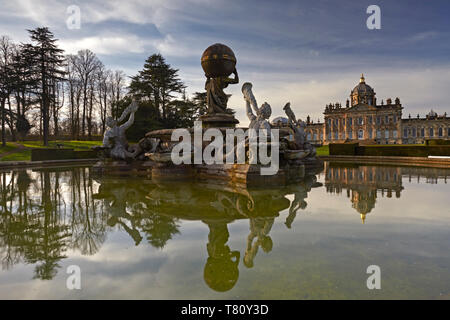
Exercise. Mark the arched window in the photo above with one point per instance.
(386, 134)
(431, 132)
(315, 136)
(422, 132)
(440, 132)
(308, 136)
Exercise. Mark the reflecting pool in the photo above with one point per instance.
(138, 239)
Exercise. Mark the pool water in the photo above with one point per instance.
(133, 238)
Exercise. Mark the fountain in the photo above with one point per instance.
(265, 153)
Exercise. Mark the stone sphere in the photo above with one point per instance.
(218, 60)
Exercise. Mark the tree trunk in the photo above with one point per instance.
(3, 123)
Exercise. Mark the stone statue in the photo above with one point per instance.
(216, 98)
(258, 121)
(219, 62)
(298, 126)
(114, 138)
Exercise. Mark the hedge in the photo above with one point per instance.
(343, 149)
(41, 154)
(390, 150)
(437, 142)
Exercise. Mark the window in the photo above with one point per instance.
(378, 120)
(336, 135)
(386, 134)
(350, 134)
(394, 134)
(370, 134)
(336, 122)
(369, 119)
(360, 134)
(329, 122)
(395, 119)
(431, 132)
(414, 133)
(448, 131)
(315, 136)
(378, 134)
(360, 120)
(329, 135)
(350, 121)
(440, 132)
(405, 133)
(386, 119)
(308, 136)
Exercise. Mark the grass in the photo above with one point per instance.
(71, 144)
(323, 151)
(25, 153)
(22, 155)
(8, 148)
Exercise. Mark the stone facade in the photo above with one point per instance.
(363, 120)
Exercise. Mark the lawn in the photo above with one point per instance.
(25, 153)
(8, 148)
(323, 151)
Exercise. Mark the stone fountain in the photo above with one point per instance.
(154, 156)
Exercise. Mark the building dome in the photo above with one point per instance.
(363, 93)
(280, 122)
(362, 87)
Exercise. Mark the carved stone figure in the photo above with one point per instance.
(216, 98)
(114, 138)
(298, 126)
(219, 62)
(258, 121)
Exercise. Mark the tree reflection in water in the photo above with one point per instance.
(47, 212)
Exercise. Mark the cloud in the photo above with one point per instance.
(307, 54)
(107, 45)
(421, 36)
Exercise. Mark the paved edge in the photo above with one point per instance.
(405, 161)
(47, 163)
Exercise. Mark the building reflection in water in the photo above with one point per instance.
(362, 183)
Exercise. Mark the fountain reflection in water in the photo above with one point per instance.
(48, 214)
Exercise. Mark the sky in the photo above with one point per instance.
(309, 53)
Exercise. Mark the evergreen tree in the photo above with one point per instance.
(48, 60)
(157, 82)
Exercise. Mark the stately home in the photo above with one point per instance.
(363, 119)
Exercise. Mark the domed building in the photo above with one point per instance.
(363, 93)
(363, 120)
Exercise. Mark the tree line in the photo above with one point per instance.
(48, 93)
